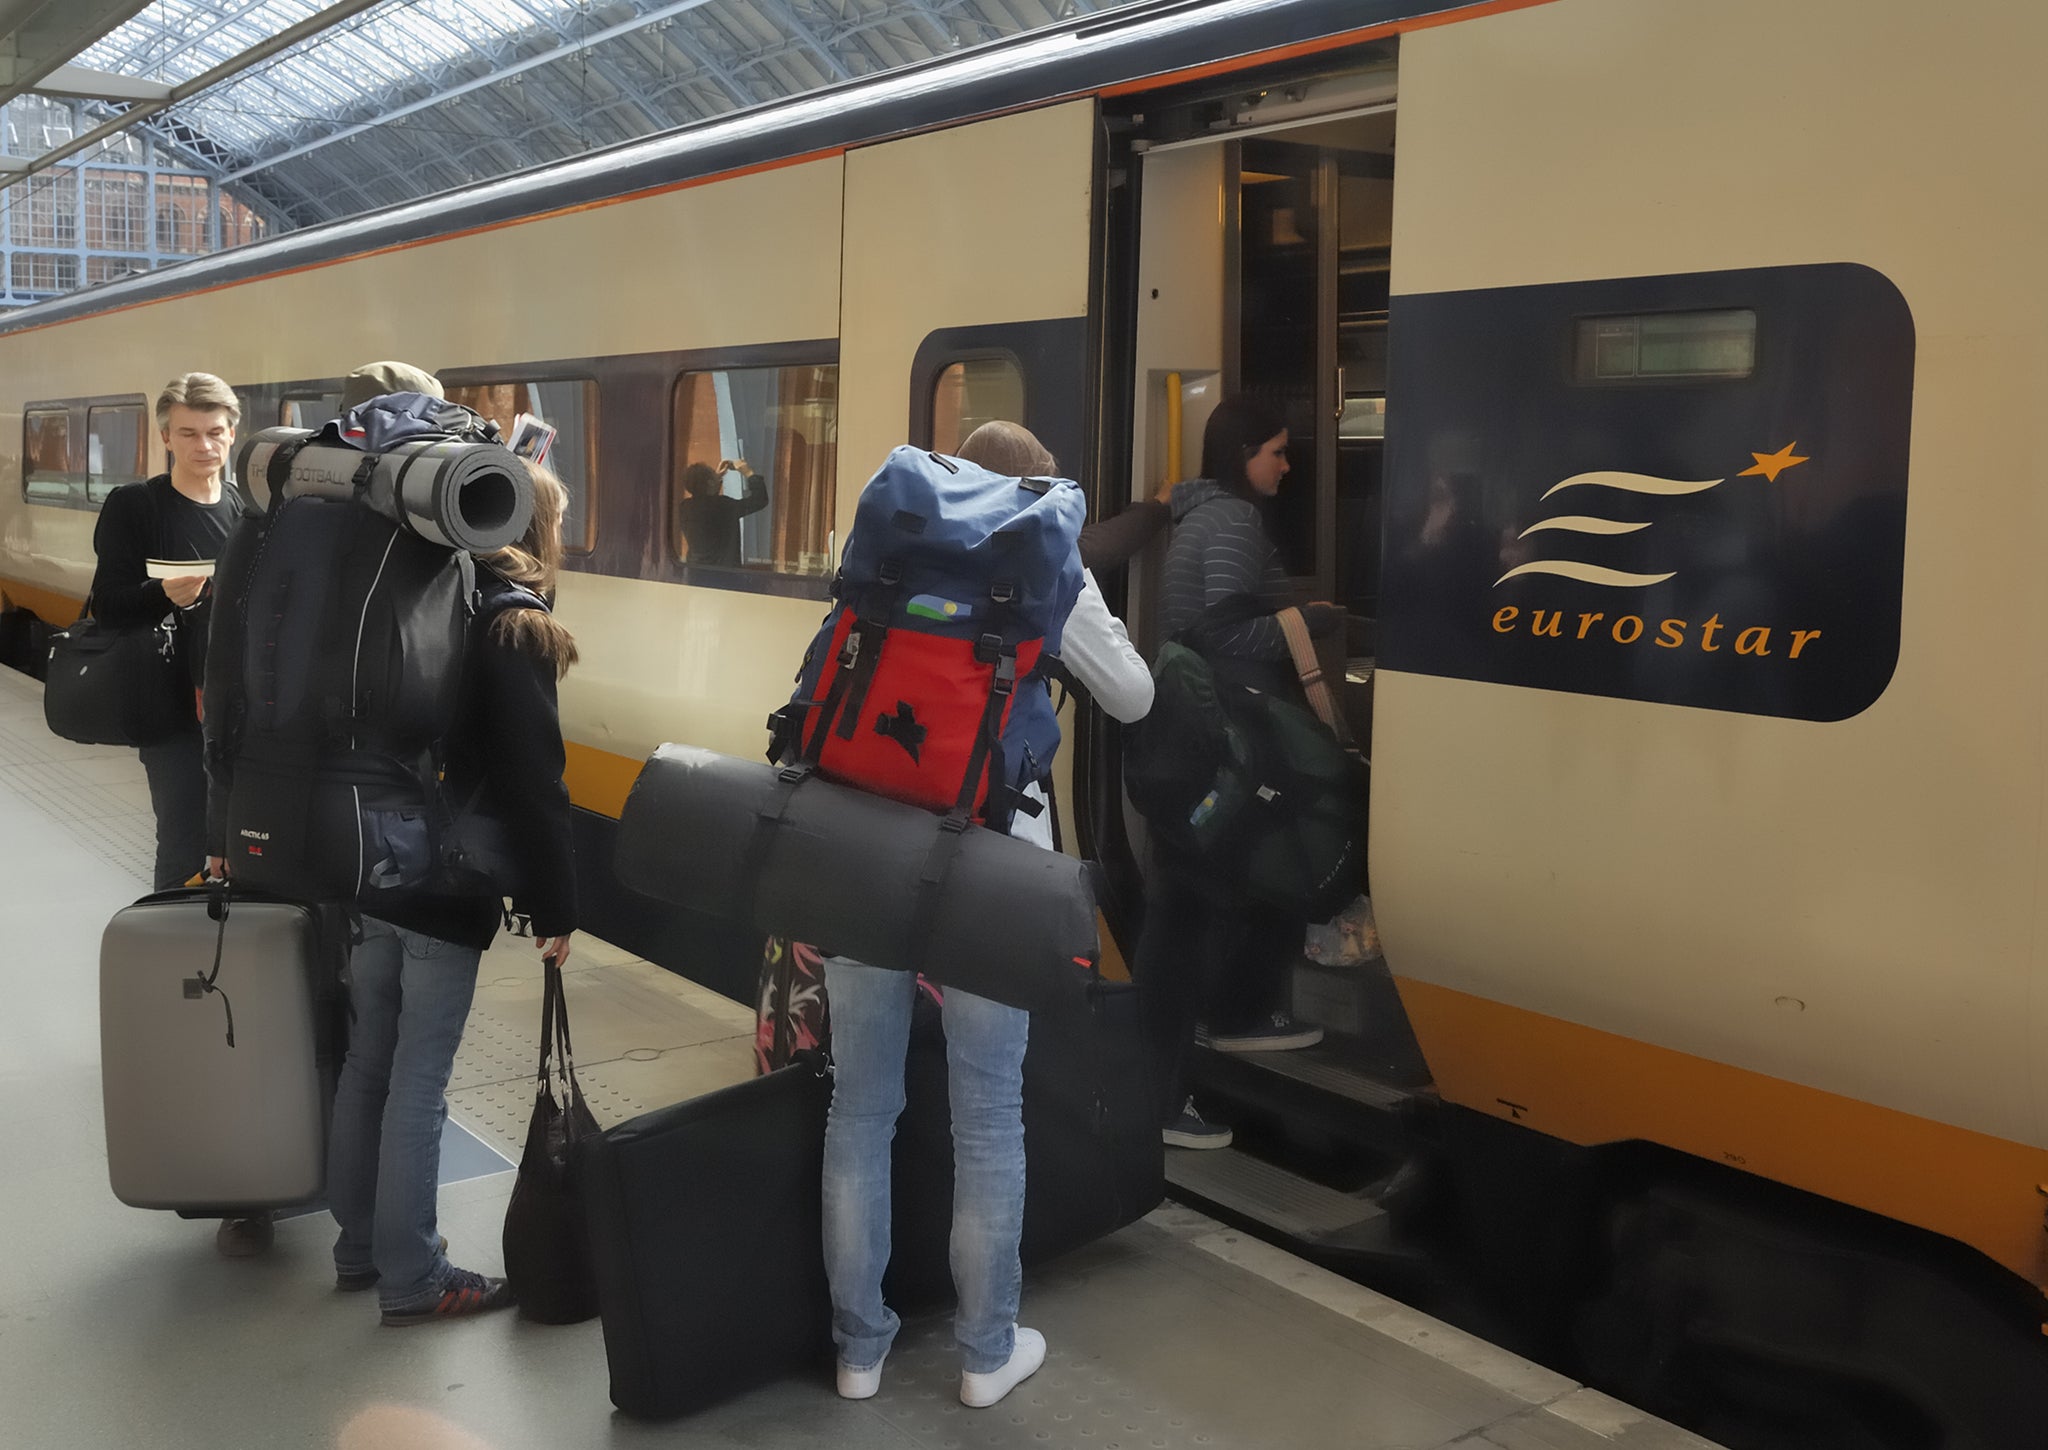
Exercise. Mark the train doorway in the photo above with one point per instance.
(1261, 265)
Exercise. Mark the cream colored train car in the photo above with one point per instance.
(1663, 416)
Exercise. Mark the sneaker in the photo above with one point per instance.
(1192, 1130)
(860, 1384)
(1278, 1033)
(465, 1293)
(979, 1391)
(353, 1280)
(243, 1238)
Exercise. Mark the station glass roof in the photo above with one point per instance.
(410, 97)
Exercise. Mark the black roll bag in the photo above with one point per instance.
(889, 884)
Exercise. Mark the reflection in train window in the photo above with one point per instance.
(1660, 345)
(115, 435)
(569, 406)
(755, 467)
(46, 455)
(972, 392)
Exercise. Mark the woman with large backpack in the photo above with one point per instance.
(1207, 948)
(985, 1041)
(414, 973)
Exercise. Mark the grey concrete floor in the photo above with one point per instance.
(120, 1327)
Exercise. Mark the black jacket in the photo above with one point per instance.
(130, 532)
(505, 750)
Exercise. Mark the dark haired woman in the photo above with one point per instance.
(1205, 950)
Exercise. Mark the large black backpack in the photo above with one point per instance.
(333, 678)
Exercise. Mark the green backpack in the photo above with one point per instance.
(1253, 787)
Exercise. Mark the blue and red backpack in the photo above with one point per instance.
(928, 681)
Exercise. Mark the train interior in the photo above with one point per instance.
(1262, 265)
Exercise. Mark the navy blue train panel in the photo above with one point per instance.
(1731, 542)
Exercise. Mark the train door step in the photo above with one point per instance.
(1236, 1186)
(1320, 1087)
(1326, 1071)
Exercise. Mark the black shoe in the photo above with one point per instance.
(1278, 1033)
(1192, 1130)
(464, 1294)
(354, 1280)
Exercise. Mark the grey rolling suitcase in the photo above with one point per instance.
(218, 1070)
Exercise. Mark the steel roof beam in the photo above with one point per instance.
(77, 82)
(38, 36)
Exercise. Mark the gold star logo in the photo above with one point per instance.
(1770, 465)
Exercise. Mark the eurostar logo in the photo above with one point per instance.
(1674, 523)
(1768, 466)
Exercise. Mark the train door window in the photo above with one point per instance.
(569, 407)
(755, 466)
(46, 475)
(115, 436)
(971, 392)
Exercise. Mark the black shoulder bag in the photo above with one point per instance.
(118, 686)
(547, 1254)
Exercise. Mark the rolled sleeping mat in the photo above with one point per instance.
(797, 856)
(460, 495)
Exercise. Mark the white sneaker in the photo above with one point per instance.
(979, 1391)
(861, 1384)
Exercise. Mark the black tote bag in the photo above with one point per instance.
(706, 1229)
(115, 686)
(547, 1249)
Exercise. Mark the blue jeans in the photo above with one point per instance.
(176, 769)
(985, 1075)
(411, 995)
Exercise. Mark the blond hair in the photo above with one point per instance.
(535, 561)
(197, 390)
(1010, 449)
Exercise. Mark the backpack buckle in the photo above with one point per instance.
(1006, 675)
(988, 648)
(890, 572)
(1002, 591)
(849, 653)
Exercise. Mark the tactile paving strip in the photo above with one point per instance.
(1069, 1403)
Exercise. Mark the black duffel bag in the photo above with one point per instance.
(1263, 793)
(1093, 1158)
(116, 686)
(707, 1238)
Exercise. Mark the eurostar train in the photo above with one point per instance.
(1659, 407)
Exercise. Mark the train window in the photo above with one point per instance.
(569, 406)
(971, 392)
(755, 467)
(1658, 345)
(114, 435)
(46, 475)
(308, 410)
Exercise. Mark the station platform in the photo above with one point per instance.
(122, 1327)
